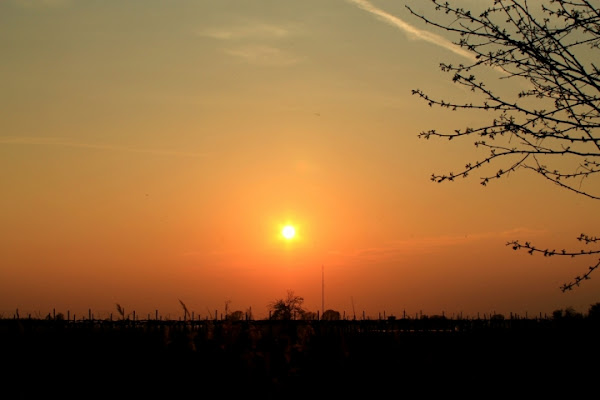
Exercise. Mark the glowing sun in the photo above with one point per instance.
(288, 232)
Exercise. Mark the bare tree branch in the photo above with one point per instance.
(553, 49)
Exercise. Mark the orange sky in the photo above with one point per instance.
(150, 152)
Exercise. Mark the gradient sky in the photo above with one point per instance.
(151, 151)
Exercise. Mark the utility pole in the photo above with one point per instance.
(322, 289)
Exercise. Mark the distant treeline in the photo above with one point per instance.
(329, 315)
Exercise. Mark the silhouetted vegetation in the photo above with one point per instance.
(331, 315)
(288, 308)
(594, 312)
(291, 358)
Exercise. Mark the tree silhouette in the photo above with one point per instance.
(331, 315)
(550, 126)
(594, 311)
(236, 315)
(567, 313)
(288, 308)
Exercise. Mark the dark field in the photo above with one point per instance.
(299, 359)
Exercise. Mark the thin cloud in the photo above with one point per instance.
(253, 43)
(254, 31)
(59, 142)
(410, 30)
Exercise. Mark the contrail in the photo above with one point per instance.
(411, 30)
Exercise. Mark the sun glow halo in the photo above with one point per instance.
(288, 232)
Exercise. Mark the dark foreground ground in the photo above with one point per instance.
(299, 359)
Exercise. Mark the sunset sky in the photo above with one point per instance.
(151, 151)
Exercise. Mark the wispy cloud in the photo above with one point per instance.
(254, 43)
(253, 31)
(61, 142)
(410, 30)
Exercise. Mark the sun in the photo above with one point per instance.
(288, 232)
